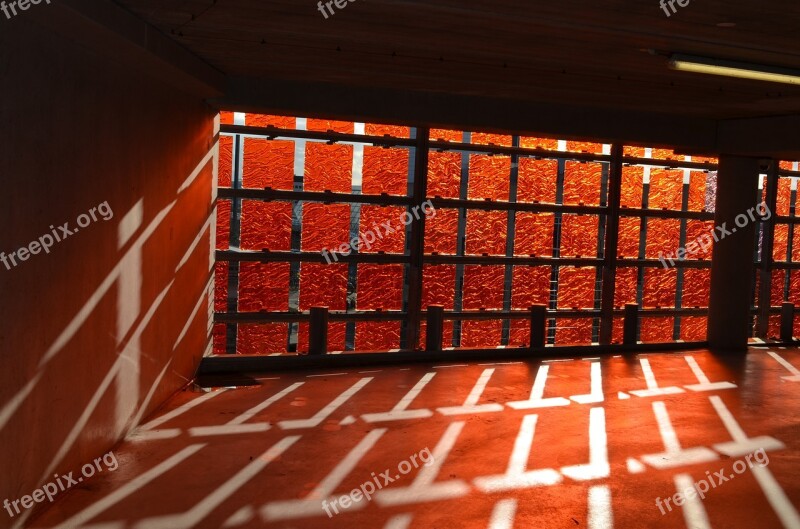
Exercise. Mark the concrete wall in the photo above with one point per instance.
(97, 333)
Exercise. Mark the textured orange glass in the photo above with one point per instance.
(697, 190)
(223, 224)
(696, 287)
(659, 287)
(486, 232)
(329, 168)
(632, 182)
(221, 269)
(439, 286)
(576, 287)
(667, 154)
(325, 226)
(618, 330)
(444, 174)
(585, 146)
(573, 331)
(323, 285)
(441, 232)
(519, 333)
(394, 131)
(483, 287)
(794, 287)
(784, 196)
(446, 135)
(266, 225)
(625, 286)
(379, 220)
(663, 236)
(786, 166)
(377, 335)
(325, 125)
(529, 142)
(447, 334)
(705, 159)
(579, 235)
(486, 138)
(537, 180)
(487, 333)
(632, 151)
(226, 118)
(262, 339)
(666, 189)
(220, 336)
(702, 233)
(385, 171)
(380, 287)
(774, 327)
(582, 183)
(780, 244)
(266, 120)
(489, 177)
(694, 328)
(630, 229)
(796, 244)
(658, 329)
(336, 337)
(225, 175)
(534, 234)
(530, 286)
(776, 287)
(263, 286)
(268, 164)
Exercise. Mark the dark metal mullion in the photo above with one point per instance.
(508, 280)
(609, 270)
(789, 243)
(461, 241)
(767, 261)
(642, 254)
(554, 274)
(602, 222)
(676, 332)
(235, 236)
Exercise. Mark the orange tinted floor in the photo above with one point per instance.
(560, 444)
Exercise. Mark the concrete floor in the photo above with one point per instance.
(562, 444)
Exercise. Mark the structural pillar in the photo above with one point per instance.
(732, 265)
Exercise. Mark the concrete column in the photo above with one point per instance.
(732, 267)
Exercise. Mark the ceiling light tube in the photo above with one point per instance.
(741, 70)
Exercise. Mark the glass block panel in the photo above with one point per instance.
(447, 334)
(534, 234)
(325, 226)
(386, 224)
(486, 232)
(536, 180)
(694, 328)
(579, 235)
(486, 138)
(325, 125)
(226, 118)
(379, 336)
(666, 189)
(696, 287)
(266, 225)
(659, 287)
(657, 329)
(489, 177)
(446, 135)
(701, 232)
(573, 331)
(548, 144)
(441, 232)
(794, 287)
(663, 237)
(582, 183)
(796, 244)
(483, 287)
(225, 175)
(266, 120)
(380, 286)
(625, 288)
(385, 171)
(263, 286)
(576, 287)
(221, 269)
(268, 163)
(633, 151)
(336, 337)
(439, 286)
(784, 196)
(262, 339)
(444, 174)
(487, 333)
(630, 229)
(585, 146)
(774, 327)
(666, 154)
(780, 244)
(530, 286)
(323, 285)
(618, 330)
(394, 131)
(777, 287)
(223, 224)
(632, 187)
(220, 338)
(328, 168)
(699, 190)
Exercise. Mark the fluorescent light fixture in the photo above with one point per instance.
(757, 72)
